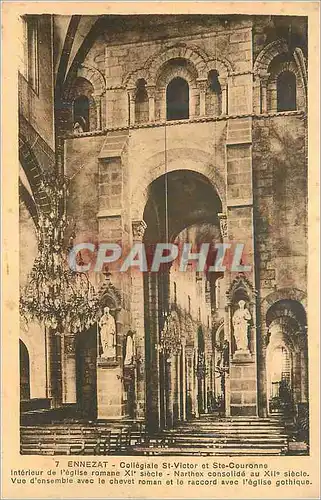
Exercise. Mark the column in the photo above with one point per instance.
(257, 95)
(227, 319)
(55, 364)
(223, 83)
(202, 85)
(132, 96)
(184, 385)
(137, 312)
(264, 80)
(151, 102)
(98, 111)
(69, 372)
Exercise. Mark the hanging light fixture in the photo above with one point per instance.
(56, 296)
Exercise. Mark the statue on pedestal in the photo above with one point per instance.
(241, 319)
(107, 326)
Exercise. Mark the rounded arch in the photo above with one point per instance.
(222, 66)
(179, 51)
(94, 76)
(191, 159)
(266, 56)
(176, 68)
(24, 371)
(131, 79)
(294, 294)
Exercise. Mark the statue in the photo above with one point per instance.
(108, 334)
(241, 319)
(129, 354)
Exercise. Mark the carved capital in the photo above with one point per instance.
(223, 82)
(138, 228)
(264, 77)
(223, 224)
(132, 93)
(202, 84)
(151, 91)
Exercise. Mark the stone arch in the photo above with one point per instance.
(131, 79)
(267, 55)
(196, 160)
(301, 64)
(222, 66)
(178, 51)
(282, 294)
(95, 77)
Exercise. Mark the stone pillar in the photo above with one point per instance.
(151, 102)
(223, 83)
(56, 369)
(192, 102)
(69, 372)
(184, 382)
(257, 95)
(49, 355)
(137, 313)
(132, 97)
(202, 85)
(264, 81)
(98, 111)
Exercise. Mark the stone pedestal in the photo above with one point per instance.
(109, 389)
(243, 386)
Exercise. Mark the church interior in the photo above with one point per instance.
(147, 129)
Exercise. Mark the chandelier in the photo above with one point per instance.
(63, 299)
(170, 342)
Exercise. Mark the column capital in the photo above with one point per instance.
(202, 84)
(138, 229)
(132, 93)
(223, 81)
(223, 224)
(151, 91)
(264, 76)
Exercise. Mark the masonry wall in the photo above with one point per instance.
(280, 199)
(38, 107)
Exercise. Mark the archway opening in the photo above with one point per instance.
(178, 302)
(177, 99)
(286, 357)
(286, 91)
(24, 371)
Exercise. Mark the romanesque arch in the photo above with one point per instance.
(191, 159)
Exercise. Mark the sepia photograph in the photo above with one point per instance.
(163, 241)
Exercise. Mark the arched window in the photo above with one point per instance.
(141, 103)
(81, 114)
(213, 95)
(24, 372)
(286, 91)
(177, 99)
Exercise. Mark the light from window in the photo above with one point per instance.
(286, 91)
(177, 99)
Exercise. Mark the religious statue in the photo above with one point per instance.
(108, 334)
(241, 319)
(129, 353)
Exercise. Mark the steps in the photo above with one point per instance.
(210, 435)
